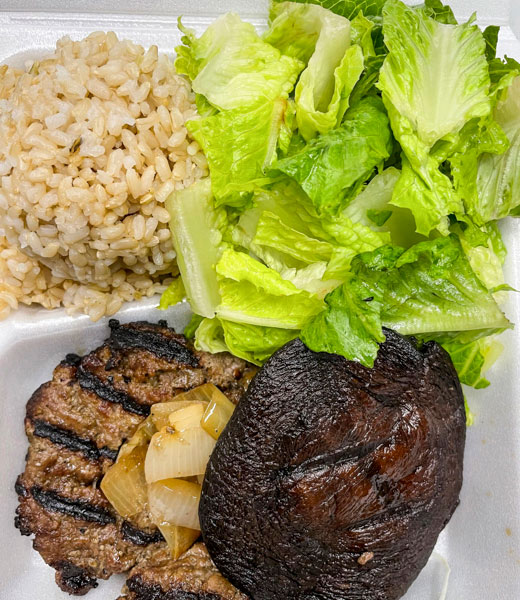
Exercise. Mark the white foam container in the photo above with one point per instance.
(482, 541)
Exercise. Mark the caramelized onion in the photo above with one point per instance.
(179, 539)
(202, 393)
(178, 454)
(160, 412)
(174, 442)
(176, 502)
(217, 413)
(188, 417)
(124, 483)
(142, 436)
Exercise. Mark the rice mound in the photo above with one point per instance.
(92, 142)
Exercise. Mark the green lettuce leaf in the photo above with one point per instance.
(329, 236)
(439, 11)
(287, 201)
(347, 8)
(427, 193)
(476, 138)
(378, 217)
(434, 289)
(312, 278)
(485, 250)
(434, 80)
(502, 72)
(498, 179)
(427, 289)
(295, 30)
(332, 168)
(470, 416)
(239, 145)
(192, 326)
(367, 84)
(250, 342)
(351, 323)
(374, 198)
(373, 209)
(435, 76)
(308, 277)
(286, 137)
(255, 343)
(272, 232)
(284, 231)
(482, 136)
(209, 336)
(472, 359)
(185, 62)
(242, 303)
(473, 353)
(197, 232)
(369, 35)
(321, 39)
(254, 294)
(315, 113)
(232, 67)
(240, 267)
(320, 265)
(491, 38)
(361, 30)
(351, 239)
(242, 85)
(173, 294)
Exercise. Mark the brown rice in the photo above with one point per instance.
(92, 142)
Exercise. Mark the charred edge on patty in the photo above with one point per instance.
(79, 509)
(146, 591)
(20, 488)
(152, 340)
(90, 382)
(22, 492)
(71, 441)
(138, 536)
(71, 360)
(73, 579)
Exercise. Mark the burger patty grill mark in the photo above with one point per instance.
(138, 536)
(105, 390)
(68, 439)
(79, 509)
(124, 338)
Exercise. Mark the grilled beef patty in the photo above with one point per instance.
(76, 424)
(192, 577)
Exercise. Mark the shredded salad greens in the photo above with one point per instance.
(361, 153)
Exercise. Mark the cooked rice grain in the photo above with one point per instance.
(92, 142)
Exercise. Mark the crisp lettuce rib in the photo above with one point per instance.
(197, 228)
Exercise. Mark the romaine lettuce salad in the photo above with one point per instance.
(361, 153)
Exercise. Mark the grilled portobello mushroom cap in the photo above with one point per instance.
(332, 481)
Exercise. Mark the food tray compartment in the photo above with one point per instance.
(482, 541)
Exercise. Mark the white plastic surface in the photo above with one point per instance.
(482, 541)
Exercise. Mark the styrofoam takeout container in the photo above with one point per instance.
(482, 541)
